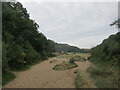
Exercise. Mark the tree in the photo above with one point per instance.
(117, 23)
(23, 44)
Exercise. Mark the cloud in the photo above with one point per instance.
(73, 23)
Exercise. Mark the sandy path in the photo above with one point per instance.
(82, 66)
(43, 76)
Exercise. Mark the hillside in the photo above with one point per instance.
(106, 58)
(59, 47)
(68, 48)
(108, 51)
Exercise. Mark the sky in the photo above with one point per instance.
(81, 24)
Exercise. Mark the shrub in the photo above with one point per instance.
(104, 77)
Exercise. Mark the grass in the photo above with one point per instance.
(84, 55)
(69, 55)
(103, 76)
(79, 82)
(76, 58)
(65, 66)
(7, 77)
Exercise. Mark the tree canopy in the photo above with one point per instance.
(22, 43)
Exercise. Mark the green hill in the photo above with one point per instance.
(108, 50)
(68, 48)
(106, 58)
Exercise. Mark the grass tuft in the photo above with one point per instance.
(79, 82)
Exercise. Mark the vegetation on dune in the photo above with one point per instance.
(70, 64)
(76, 58)
(79, 81)
(65, 66)
(104, 77)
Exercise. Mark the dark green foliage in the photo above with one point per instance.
(106, 57)
(116, 22)
(51, 46)
(108, 51)
(7, 77)
(22, 45)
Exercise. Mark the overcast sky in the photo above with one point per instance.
(82, 24)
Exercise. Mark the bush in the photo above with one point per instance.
(99, 71)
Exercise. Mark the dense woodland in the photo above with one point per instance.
(108, 51)
(22, 43)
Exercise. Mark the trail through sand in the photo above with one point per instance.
(82, 66)
(42, 75)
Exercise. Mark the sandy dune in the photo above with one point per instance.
(43, 76)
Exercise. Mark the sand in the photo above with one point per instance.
(42, 75)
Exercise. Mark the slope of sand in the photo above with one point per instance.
(42, 75)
